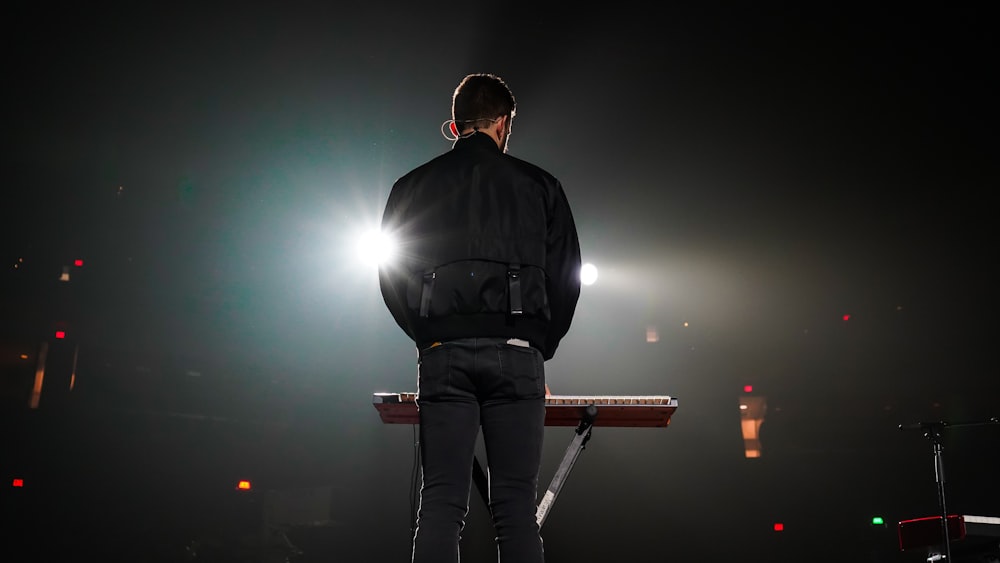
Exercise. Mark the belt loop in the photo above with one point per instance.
(514, 288)
(425, 293)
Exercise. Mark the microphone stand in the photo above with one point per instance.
(932, 431)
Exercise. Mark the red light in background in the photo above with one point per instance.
(78, 262)
(847, 318)
(17, 482)
(60, 334)
(778, 526)
(748, 388)
(243, 485)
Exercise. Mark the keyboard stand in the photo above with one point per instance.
(580, 438)
(627, 411)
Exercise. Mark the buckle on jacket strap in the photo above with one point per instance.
(514, 289)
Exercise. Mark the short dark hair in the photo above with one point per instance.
(481, 98)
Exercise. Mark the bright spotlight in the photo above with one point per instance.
(588, 274)
(376, 247)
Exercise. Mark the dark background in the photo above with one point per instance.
(795, 198)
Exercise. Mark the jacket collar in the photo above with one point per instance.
(478, 140)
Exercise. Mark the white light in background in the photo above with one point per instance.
(588, 274)
(376, 247)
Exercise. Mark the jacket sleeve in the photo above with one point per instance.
(392, 277)
(563, 269)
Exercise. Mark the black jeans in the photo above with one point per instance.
(465, 385)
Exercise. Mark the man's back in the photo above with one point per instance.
(475, 202)
(467, 217)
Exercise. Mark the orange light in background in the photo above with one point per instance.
(17, 482)
(753, 409)
(36, 390)
(60, 334)
(652, 334)
(243, 485)
(778, 527)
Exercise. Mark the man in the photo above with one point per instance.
(486, 284)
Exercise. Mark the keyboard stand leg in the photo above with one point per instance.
(580, 439)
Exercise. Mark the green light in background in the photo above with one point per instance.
(877, 521)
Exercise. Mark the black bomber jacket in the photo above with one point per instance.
(486, 246)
